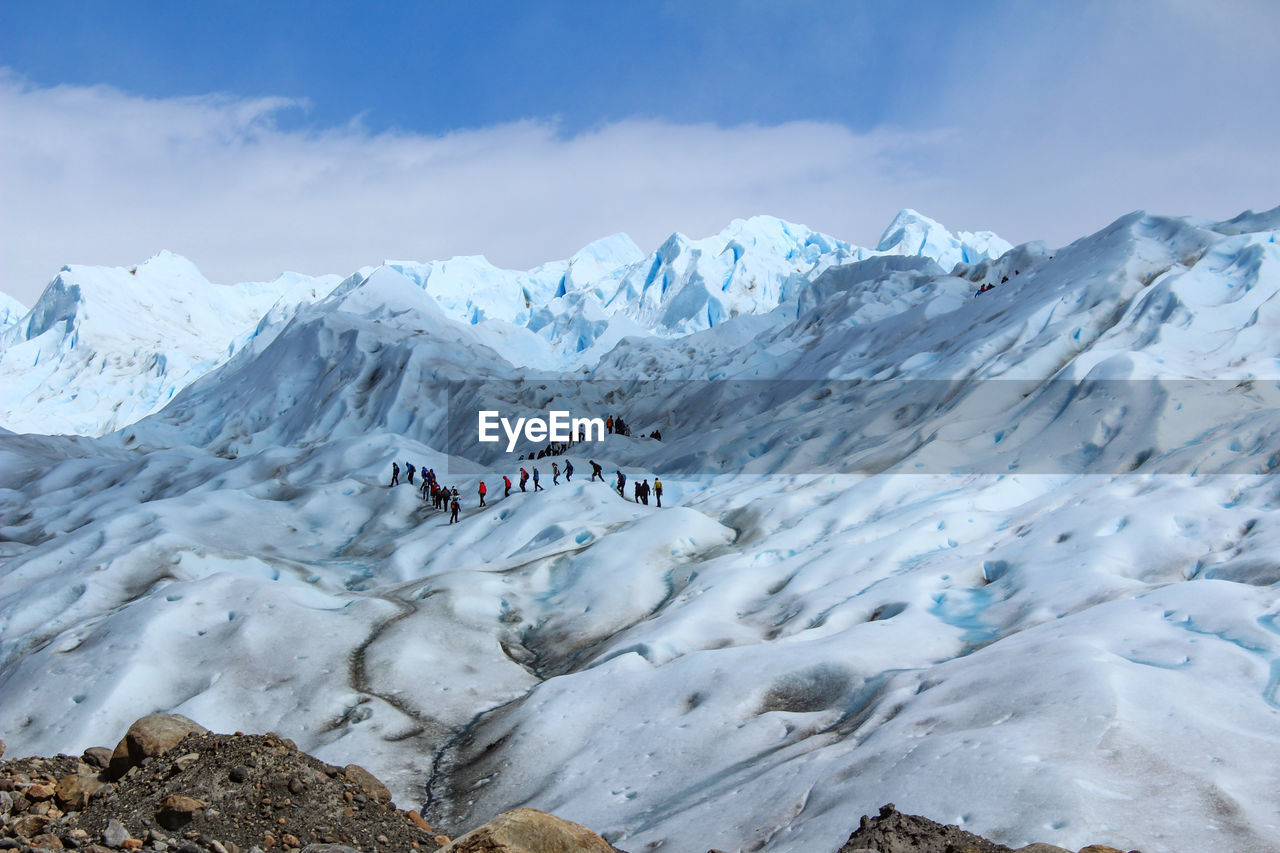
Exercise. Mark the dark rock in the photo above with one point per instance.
(894, 832)
(239, 773)
(29, 825)
(97, 756)
(242, 815)
(115, 833)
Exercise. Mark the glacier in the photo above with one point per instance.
(1002, 557)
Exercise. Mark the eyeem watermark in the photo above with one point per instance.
(558, 426)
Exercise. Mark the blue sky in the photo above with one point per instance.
(319, 137)
(437, 67)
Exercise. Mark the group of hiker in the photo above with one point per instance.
(642, 489)
(445, 498)
(442, 497)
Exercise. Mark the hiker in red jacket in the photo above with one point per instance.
(506, 481)
(483, 491)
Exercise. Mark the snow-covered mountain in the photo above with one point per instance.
(915, 534)
(103, 346)
(101, 350)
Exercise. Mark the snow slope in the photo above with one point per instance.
(916, 536)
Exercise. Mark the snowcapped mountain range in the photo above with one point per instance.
(985, 531)
(148, 332)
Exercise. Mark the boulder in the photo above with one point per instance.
(1099, 848)
(74, 792)
(97, 756)
(894, 832)
(176, 811)
(529, 831)
(1041, 848)
(37, 792)
(115, 834)
(30, 825)
(149, 737)
(368, 783)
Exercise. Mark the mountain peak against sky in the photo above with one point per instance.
(913, 233)
(126, 340)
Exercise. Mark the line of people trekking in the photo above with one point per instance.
(444, 498)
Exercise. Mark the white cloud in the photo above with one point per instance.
(94, 175)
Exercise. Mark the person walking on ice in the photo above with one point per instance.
(555, 474)
(622, 485)
(657, 490)
(453, 510)
(537, 486)
(395, 474)
(408, 466)
(568, 471)
(524, 478)
(596, 470)
(506, 482)
(483, 490)
(426, 484)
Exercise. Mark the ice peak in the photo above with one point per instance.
(11, 311)
(909, 224)
(913, 233)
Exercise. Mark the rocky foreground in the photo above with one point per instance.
(171, 786)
